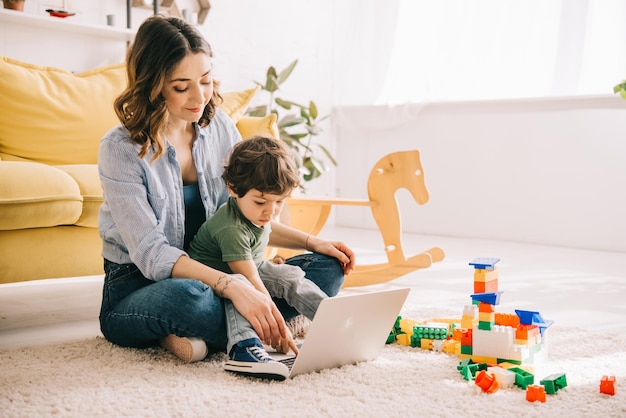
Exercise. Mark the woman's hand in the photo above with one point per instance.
(259, 309)
(336, 249)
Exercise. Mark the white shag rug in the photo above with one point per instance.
(93, 378)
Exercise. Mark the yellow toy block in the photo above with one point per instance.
(487, 317)
(451, 346)
(406, 325)
(482, 359)
(481, 275)
(403, 339)
(426, 344)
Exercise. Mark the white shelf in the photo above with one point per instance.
(66, 25)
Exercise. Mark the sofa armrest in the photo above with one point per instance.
(34, 195)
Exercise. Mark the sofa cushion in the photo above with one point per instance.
(236, 103)
(88, 180)
(53, 116)
(34, 195)
(250, 126)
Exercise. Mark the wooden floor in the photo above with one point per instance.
(573, 287)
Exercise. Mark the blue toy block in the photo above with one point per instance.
(533, 318)
(492, 298)
(484, 263)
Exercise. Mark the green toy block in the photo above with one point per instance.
(522, 377)
(554, 382)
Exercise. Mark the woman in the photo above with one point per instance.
(161, 175)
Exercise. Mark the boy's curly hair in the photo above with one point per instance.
(261, 163)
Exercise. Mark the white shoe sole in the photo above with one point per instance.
(269, 370)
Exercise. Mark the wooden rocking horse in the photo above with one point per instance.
(394, 171)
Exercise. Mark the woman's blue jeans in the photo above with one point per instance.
(137, 312)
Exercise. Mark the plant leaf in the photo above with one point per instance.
(284, 74)
(257, 111)
(290, 120)
(283, 103)
(328, 154)
(313, 109)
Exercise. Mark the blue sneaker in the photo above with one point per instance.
(249, 358)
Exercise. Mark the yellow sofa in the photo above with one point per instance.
(51, 122)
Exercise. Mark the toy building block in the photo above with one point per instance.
(451, 347)
(470, 314)
(403, 339)
(554, 382)
(438, 345)
(535, 393)
(431, 331)
(509, 320)
(485, 286)
(533, 318)
(486, 381)
(607, 385)
(495, 343)
(492, 298)
(484, 263)
(523, 379)
(505, 378)
(469, 369)
(426, 343)
(481, 275)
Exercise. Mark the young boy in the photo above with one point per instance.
(260, 175)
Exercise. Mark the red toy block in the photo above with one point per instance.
(535, 393)
(487, 382)
(523, 332)
(607, 385)
(486, 287)
(486, 308)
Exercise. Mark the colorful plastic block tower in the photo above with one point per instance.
(607, 385)
(497, 350)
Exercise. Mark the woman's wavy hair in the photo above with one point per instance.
(160, 45)
(261, 163)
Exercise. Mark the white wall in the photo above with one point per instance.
(247, 37)
(546, 171)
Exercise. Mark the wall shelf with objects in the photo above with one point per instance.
(170, 7)
(66, 25)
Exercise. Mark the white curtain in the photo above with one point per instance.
(405, 51)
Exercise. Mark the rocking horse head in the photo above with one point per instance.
(395, 171)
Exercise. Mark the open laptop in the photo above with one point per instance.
(347, 329)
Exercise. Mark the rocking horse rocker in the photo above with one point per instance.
(394, 171)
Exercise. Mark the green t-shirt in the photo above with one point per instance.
(229, 236)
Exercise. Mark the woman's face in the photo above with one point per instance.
(189, 88)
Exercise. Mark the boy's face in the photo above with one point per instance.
(260, 208)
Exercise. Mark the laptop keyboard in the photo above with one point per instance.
(288, 362)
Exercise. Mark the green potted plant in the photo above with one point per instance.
(621, 89)
(298, 125)
(14, 4)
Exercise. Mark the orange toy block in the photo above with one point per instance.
(486, 307)
(607, 385)
(508, 320)
(535, 393)
(486, 381)
(526, 332)
(486, 287)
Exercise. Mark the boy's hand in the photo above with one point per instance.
(287, 344)
(278, 259)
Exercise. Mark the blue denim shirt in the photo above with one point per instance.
(142, 219)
